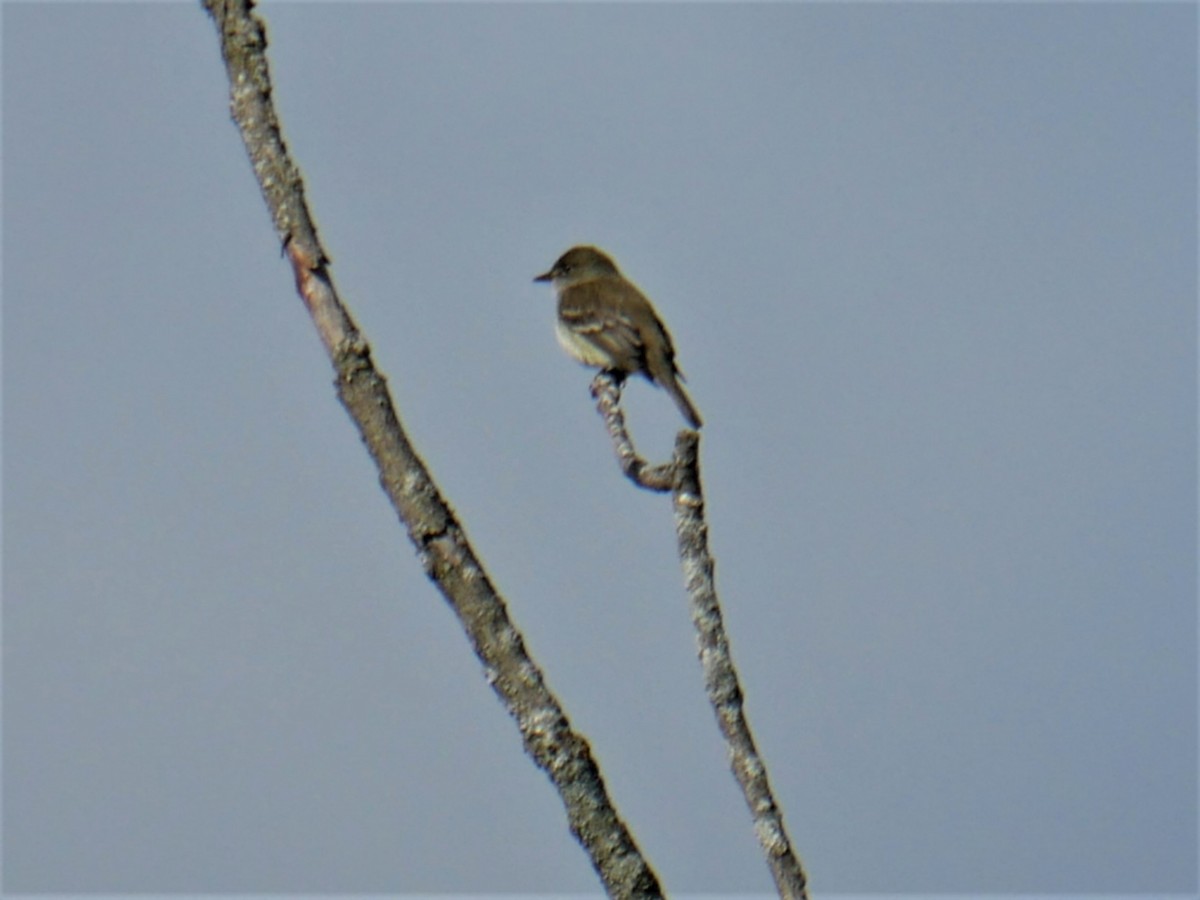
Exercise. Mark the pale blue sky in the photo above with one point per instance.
(931, 271)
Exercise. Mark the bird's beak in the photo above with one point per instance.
(546, 276)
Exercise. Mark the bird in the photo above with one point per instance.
(606, 322)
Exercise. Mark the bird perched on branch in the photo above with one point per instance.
(606, 322)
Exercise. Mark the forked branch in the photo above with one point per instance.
(681, 476)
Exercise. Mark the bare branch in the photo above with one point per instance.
(441, 544)
(682, 477)
(720, 676)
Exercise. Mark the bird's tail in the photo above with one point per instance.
(682, 400)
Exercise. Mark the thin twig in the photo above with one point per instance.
(606, 388)
(441, 544)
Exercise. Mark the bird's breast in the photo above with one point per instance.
(581, 348)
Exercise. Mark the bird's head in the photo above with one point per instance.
(579, 264)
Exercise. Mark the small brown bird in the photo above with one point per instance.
(606, 322)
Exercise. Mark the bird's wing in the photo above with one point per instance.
(591, 314)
